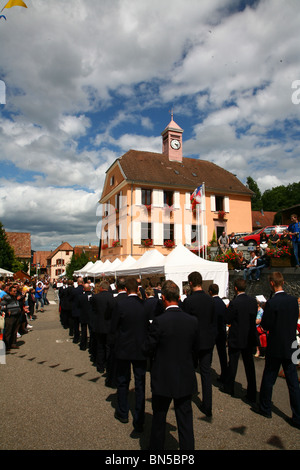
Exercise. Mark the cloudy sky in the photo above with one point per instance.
(83, 81)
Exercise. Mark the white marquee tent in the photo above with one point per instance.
(181, 262)
(82, 271)
(177, 266)
(5, 272)
(144, 265)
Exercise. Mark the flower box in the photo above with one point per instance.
(280, 262)
(147, 242)
(169, 243)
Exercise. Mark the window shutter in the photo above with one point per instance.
(138, 196)
(226, 204)
(158, 237)
(187, 232)
(136, 235)
(158, 198)
(213, 203)
(178, 233)
(176, 200)
(187, 200)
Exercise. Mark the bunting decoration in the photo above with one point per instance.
(14, 3)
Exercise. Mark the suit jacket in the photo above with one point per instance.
(102, 308)
(220, 308)
(172, 342)
(129, 328)
(66, 295)
(202, 306)
(85, 307)
(280, 320)
(77, 292)
(153, 306)
(241, 316)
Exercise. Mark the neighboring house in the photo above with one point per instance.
(21, 243)
(58, 260)
(146, 201)
(92, 251)
(39, 261)
(286, 214)
(262, 219)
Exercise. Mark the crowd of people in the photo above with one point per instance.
(126, 326)
(260, 256)
(19, 303)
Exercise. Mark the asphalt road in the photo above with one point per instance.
(54, 399)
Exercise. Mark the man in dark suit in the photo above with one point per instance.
(172, 343)
(130, 325)
(153, 305)
(77, 292)
(280, 320)
(102, 307)
(111, 371)
(221, 338)
(242, 338)
(201, 305)
(85, 315)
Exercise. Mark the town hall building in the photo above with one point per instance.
(146, 201)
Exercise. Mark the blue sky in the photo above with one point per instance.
(88, 80)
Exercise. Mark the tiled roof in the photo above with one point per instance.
(65, 246)
(156, 169)
(41, 258)
(21, 243)
(262, 219)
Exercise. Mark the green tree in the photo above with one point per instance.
(256, 200)
(7, 254)
(281, 197)
(77, 262)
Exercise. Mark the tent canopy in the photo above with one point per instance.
(83, 270)
(144, 265)
(177, 266)
(5, 272)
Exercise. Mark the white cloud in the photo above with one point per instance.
(87, 80)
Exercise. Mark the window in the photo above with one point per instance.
(60, 262)
(219, 203)
(194, 234)
(146, 197)
(112, 180)
(168, 232)
(168, 198)
(146, 231)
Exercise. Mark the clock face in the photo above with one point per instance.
(175, 144)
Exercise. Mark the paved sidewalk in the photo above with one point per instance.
(54, 399)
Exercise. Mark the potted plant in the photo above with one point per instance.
(221, 214)
(115, 243)
(280, 256)
(105, 246)
(147, 242)
(169, 243)
(228, 257)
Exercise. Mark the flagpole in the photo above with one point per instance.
(203, 219)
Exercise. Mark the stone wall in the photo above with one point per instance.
(262, 287)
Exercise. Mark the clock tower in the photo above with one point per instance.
(172, 141)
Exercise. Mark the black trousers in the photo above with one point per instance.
(247, 356)
(272, 366)
(222, 353)
(184, 419)
(205, 359)
(123, 380)
(11, 326)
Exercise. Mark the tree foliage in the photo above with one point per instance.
(275, 199)
(256, 201)
(7, 254)
(77, 262)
